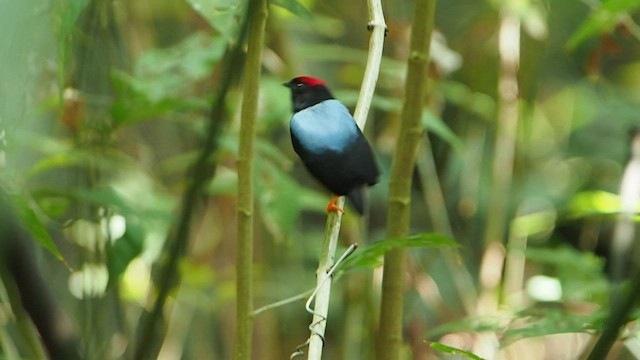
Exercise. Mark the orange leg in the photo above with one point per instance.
(332, 205)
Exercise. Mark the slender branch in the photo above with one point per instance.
(411, 130)
(244, 256)
(149, 334)
(332, 230)
(283, 302)
(618, 318)
(621, 248)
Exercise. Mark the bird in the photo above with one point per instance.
(329, 142)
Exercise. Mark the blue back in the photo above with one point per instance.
(326, 126)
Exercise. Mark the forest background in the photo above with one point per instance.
(515, 207)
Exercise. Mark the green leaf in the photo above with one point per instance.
(535, 322)
(494, 322)
(531, 322)
(32, 223)
(580, 273)
(125, 249)
(282, 199)
(434, 124)
(371, 256)
(273, 153)
(157, 206)
(593, 203)
(225, 182)
(165, 80)
(69, 12)
(61, 154)
(222, 15)
(454, 351)
(475, 102)
(602, 20)
(295, 7)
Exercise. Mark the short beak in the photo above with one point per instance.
(287, 84)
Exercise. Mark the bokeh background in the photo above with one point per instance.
(103, 105)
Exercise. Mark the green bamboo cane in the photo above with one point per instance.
(244, 256)
(411, 130)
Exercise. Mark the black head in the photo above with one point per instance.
(307, 91)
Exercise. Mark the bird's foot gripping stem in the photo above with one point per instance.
(332, 205)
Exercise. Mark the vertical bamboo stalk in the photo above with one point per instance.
(497, 215)
(244, 256)
(411, 130)
(332, 230)
(509, 52)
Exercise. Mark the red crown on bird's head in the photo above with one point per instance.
(310, 81)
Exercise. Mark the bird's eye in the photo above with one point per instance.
(299, 85)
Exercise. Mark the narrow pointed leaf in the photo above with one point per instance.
(295, 7)
(372, 256)
(454, 351)
(602, 20)
(31, 221)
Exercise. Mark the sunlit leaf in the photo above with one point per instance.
(372, 255)
(124, 250)
(197, 274)
(454, 351)
(593, 203)
(295, 7)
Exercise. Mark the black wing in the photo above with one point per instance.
(341, 171)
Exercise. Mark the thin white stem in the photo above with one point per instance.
(378, 29)
(282, 302)
(313, 291)
(318, 317)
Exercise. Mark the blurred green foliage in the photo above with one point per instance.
(99, 126)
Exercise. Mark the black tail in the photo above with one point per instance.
(356, 197)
